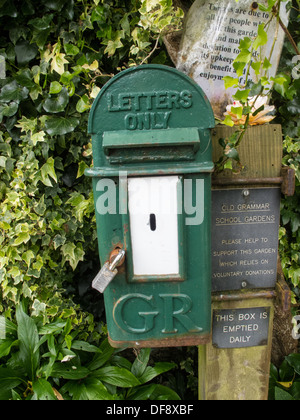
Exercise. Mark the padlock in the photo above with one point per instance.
(108, 272)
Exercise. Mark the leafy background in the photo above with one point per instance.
(58, 54)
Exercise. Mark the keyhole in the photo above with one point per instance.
(153, 222)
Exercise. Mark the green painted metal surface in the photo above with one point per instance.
(178, 144)
(151, 123)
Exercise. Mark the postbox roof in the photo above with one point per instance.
(150, 97)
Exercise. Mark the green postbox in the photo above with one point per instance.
(152, 189)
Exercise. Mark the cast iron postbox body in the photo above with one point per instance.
(152, 190)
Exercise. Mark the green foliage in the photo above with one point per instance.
(49, 362)
(289, 238)
(285, 381)
(248, 93)
(58, 55)
(287, 100)
(54, 58)
(158, 16)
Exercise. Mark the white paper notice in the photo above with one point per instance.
(211, 39)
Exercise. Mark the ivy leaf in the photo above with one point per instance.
(73, 254)
(8, 10)
(58, 63)
(58, 241)
(228, 121)
(27, 257)
(83, 104)
(41, 24)
(244, 56)
(268, 8)
(25, 52)
(239, 68)
(56, 5)
(13, 92)
(245, 43)
(256, 89)
(58, 103)
(294, 106)
(230, 82)
(256, 67)
(23, 237)
(14, 272)
(112, 46)
(242, 95)
(262, 37)
(48, 170)
(228, 165)
(238, 111)
(125, 24)
(281, 83)
(232, 153)
(60, 125)
(3, 161)
(55, 87)
(82, 166)
(24, 78)
(267, 65)
(9, 110)
(40, 37)
(38, 137)
(71, 49)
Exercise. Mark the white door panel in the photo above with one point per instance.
(153, 208)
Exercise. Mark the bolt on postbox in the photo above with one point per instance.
(152, 154)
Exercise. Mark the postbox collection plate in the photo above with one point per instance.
(238, 328)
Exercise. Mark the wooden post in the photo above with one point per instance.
(235, 365)
(260, 152)
(237, 373)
